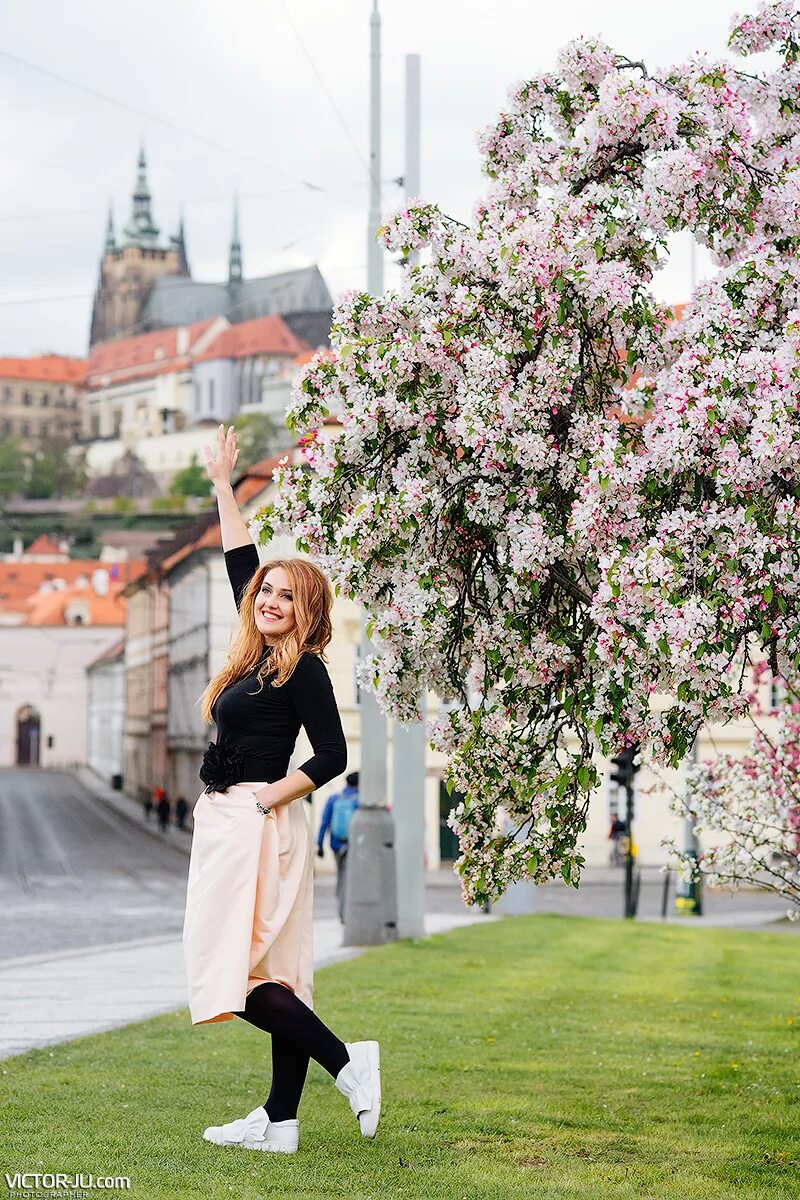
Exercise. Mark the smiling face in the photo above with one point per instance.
(274, 605)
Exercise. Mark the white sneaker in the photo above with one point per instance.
(256, 1132)
(360, 1081)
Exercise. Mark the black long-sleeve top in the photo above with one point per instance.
(265, 723)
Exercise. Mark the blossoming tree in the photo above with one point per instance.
(547, 493)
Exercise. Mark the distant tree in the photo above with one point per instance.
(191, 481)
(13, 466)
(52, 471)
(258, 436)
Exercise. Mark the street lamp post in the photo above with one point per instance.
(624, 770)
(689, 892)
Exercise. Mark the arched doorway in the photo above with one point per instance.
(28, 736)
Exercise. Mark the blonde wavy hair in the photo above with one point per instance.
(313, 599)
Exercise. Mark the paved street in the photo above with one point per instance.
(93, 899)
(73, 874)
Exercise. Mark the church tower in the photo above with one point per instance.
(235, 253)
(128, 270)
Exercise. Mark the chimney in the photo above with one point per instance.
(18, 549)
(100, 582)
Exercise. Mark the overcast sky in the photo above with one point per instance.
(237, 74)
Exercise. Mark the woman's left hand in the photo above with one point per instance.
(267, 796)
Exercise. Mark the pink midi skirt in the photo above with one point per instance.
(248, 902)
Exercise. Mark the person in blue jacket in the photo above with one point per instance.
(336, 818)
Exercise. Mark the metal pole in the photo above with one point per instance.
(374, 251)
(370, 893)
(408, 810)
(411, 174)
(630, 910)
(689, 895)
(408, 741)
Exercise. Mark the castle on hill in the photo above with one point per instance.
(146, 284)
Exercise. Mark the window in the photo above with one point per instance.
(6, 395)
(45, 399)
(95, 424)
(24, 429)
(211, 395)
(44, 429)
(26, 399)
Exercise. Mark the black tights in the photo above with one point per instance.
(297, 1035)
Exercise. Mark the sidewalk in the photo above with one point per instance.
(46, 999)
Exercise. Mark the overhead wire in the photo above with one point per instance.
(9, 218)
(200, 137)
(326, 92)
(96, 94)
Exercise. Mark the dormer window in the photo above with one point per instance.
(77, 612)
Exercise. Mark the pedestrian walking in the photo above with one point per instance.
(248, 926)
(181, 809)
(336, 817)
(163, 810)
(148, 805)
(618, 835)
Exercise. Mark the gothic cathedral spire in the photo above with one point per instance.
(141, 231)
(111, 241)
(235, 256)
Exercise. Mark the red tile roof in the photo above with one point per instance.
(145, 355)
(264, 335)
(48, 608)
(44, 545)
(44, 368)
(325, 353)
(168, 350)
(21, 580)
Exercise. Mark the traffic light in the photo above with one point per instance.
(624, 768)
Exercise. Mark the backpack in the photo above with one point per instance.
(342, 814)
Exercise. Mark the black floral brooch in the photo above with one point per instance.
(222, 765)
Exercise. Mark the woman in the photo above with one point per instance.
(248, 928)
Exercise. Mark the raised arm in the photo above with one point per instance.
(231, 522)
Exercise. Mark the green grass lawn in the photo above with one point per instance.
(535, 1057)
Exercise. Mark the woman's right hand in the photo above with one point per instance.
(220, 468)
